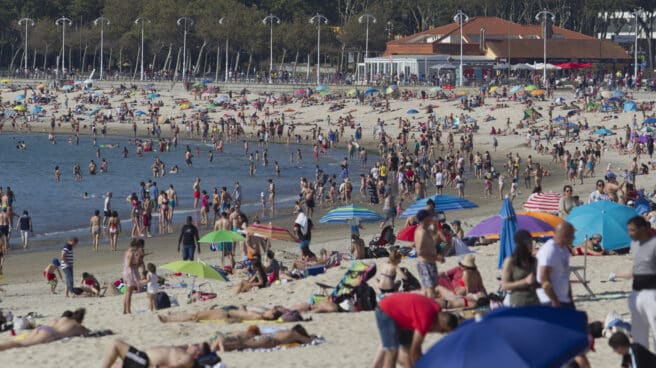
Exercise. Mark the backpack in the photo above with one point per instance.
(162, 300)
(364, 297)
(410, 282)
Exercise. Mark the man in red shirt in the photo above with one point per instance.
(403, 320)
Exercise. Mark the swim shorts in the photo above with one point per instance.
(135, 359)
(427, 274)
(4, 230)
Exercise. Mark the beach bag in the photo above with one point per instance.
(162, 300)
(409, 281)
(365, 297)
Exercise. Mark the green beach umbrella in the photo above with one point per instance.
(195, 268)
(530, 87)
(221, 236)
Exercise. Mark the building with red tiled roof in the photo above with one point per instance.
(489, 41)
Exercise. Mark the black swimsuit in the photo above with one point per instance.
(135, 359)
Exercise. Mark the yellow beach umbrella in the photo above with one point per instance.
(493, 88)
(20, 108)
(537, 92)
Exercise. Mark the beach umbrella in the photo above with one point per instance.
(185, 105)
(617, 94)
(493, 88)
(569, 124)
(436, 89)
(547, 217)
(140, 113)
(615, 99)
(530, 87)
(300, 92)
(443, 202)
(348, 213)
(515, 89)
(324, 93)
(602, 217)
(271, 232)
(391, 89)
(36, 109)
(150, 96)
(321, 88)
(20, 108)
(290, 110)
(370, 91)
(195, 268)
(491, 227)
(412, 112)
(221, 236)
(67, 87)
(630, 106)
(94, 111)
(221, 99)
(559, 100)
(544, 202)
(19, 98)
(559, 119)
(603, 131)
(470, 120)
(512, 337)
(537, 92)
(352, 92)
(5, 81)
(508, 229)
(650, 120)
(210, 106)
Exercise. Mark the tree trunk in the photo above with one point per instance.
(167, 61)
(136, 63)
(84, 59)
(218, 63)
(200, 54)
(177, 65)
(120, 61)
(11, 66)
(34, 60)
(248, 69)
(109, 60)
(95, 55)
(70, 60)
(45, 57)
(295, 63)
(236, 64)
(282, 61)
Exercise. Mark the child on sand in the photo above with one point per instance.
(49, 274)
(151, 285)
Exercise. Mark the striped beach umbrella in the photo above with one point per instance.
(349, 213)
(270, 232)
(544, 202)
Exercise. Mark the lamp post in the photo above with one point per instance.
(63, 21)
(635, 46)
(221, 20)
(318, 19)
(28, 22)
(366, 18)
(544, 14)
(461, 18)
(271, 19)
(184, 21)
(141, 20)
(103, 20)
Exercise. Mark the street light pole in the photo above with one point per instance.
(318, 19)
(270, 19)
(63, 21)
(366, 18)
(544, 14)
(635, 46)
(221, 20)
(103, 20)
(142, 20)
(180, 21)
(461, 18)
(27, 21)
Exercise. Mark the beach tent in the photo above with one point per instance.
(630, 106)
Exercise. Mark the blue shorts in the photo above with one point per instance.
(188, 252)
(68, 277)
(391, 335)
(304, 243)
(224, 247)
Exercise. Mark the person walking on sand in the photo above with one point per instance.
(131, 274)
(553, 268)
(24, 225)
(94, 228)
(426, 254)
(189, 240)
(67, 259)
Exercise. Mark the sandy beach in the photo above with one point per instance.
(351, 339)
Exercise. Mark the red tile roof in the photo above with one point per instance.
(558, 49)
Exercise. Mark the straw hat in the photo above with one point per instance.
(468, 261)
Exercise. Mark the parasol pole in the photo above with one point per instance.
(585, 261)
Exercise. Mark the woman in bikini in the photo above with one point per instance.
(163, 203)
(387, 283)
(69, 325)
(131, 274)
(114, 226)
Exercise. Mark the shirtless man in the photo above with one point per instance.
(160, 356)
(225, 248)
(4, 232)
(426, 253)
(173, 200)
(107, 209)
(94, 228)
(233, 315)
(196, 189)
(272, 196)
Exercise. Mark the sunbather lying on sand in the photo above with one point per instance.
(238, 315)
(69, 325)
(252, 339)
(159, 356)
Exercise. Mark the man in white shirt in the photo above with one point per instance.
(598, 194)
(439, 182)
(553, 268)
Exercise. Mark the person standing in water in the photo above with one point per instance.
(196, 189)
(272, 196)
(94, 227)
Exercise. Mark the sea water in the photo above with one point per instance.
(59, 210)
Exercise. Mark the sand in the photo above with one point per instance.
(351, 339)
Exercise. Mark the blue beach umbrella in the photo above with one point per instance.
(603, 131)
(349, 213)
(650, 120)
(67, 87)
(512, 337)
(94, 111)
(140, 113)
(20, 98)
(605, 218)
(443, 202)
(569, 125)
(370, 91)
(150, 96)
(36, 109)
(412, 112)
(559, 119)
(617, 94)
(515, 89)
(508, 229)
(321, 88)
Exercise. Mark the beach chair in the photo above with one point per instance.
(356, 276)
